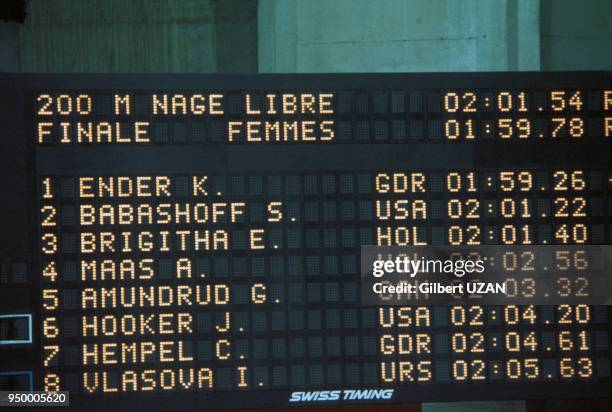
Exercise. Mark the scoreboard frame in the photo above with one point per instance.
(20, 163)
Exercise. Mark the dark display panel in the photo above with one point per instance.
(188, 242)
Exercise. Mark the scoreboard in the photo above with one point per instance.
(194, 241)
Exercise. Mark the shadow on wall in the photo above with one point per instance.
(576, 35)
(13, 10)
(135, 36)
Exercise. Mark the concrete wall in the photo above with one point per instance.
(576, 35)
(236, 35)
(231, 36)
(433, 35)
(398, 35)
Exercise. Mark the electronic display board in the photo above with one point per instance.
(193, 241)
